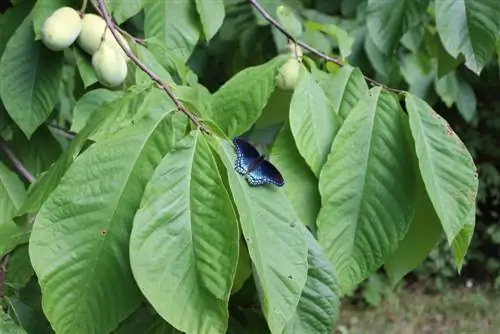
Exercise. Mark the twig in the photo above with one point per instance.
(17, 164)
(309, 48)
(64, 132)
(146, 70)
(84, 6)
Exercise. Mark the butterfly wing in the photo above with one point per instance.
(265, 172)
(245, 155)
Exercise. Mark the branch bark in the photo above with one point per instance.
(15, 161)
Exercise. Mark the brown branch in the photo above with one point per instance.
(146, 70)
(64, 132)
(309, 48)
(17, 164)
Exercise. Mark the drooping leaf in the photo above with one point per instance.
(212, 14)
(12, 196)
(174, 23)
(123, 10)
(148, 59)
(29, 86)
(235, 107)
(447, 88)
(388, 20)
(449, 174)
(19, 270)
(344, 40)
(469, 27)
(367, 189)
(10, 21)
(89, 103)
(275, 243)
(445, 62)
(184, 242)
(319, 303)
(313, 121)
(243, 269)
(466, 101)
(301, 186)
(288, 20)
(84, 65)
(79, 242)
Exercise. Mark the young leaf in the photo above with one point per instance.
(212, 14)
(12, 196)
(275, 243)
(313, 121)
(448, 171)
(79, 242)
(235, 107)
(301, 186)
(469, 27)
(29, 86)
(184, 241)
(175, 24)
(367, 189)
(319, 303)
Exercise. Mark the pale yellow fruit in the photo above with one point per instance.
(93, 27)
(109, 65)
(288, 75)
(61, 28)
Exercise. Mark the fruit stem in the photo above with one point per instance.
(84, 6)
(145, 69)
(309, 48)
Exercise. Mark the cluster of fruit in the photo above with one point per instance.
(65, 26)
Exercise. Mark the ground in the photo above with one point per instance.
(457, 311)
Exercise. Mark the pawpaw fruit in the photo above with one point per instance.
(61, 28)
(288, 75)
(109, 65)
(93, 27)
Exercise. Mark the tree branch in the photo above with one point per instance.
(309, 48)
(64, 132)
(146, 70)
(17, 164)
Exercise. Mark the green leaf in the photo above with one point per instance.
(388, 20)
(79, 242)
(84, 65)
(447, 88)
(469, 27)
(148, 59)
(466, 100)
(243, 269)
(422, 237)
(449, 174)
(319, 303)
(89, 103)
(10, 21)
(19, 270)
(8, 326)
(123, 10)
(41, 189)
(185, 221)
(445, 62)
(235, 107)
(382, 63)
(276, 110)
(270, 228)
(301, 186)
(367, 189)
(212, 14)
(12, 196)
(313, 121)
(288, 20)
(30, 78)
(345, 89)
(145, 321)
(344, 41)
(43, 9)
(175, 24)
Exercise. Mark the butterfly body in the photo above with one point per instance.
(254, 166)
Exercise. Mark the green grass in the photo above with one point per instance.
(458, 311)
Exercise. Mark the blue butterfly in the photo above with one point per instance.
(250, 163)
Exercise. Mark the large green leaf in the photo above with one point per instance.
(211, 15)
(275, 242)
(240, 101)
(345, 89)
(388, 20)
(79, 242)
(184, 242)
(367, 189)
(313, 121)
(301, 186)
(41, 189)
(469, 27)
(319, 303)
(448, 171)
(12, 196)
(123, 10)
(148, 59)
(89, 103)
(29, 86)
(10, 21)
(175, 24)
